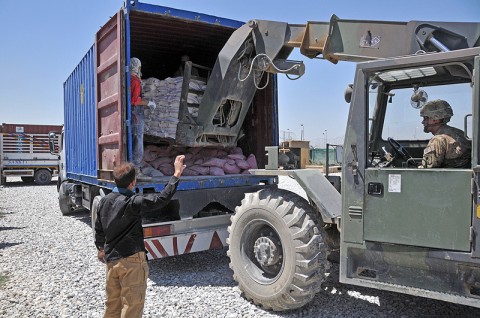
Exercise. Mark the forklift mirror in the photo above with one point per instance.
(348, 93)
(339, 154)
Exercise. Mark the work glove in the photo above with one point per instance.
(151, 105)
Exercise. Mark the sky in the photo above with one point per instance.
(43, 41)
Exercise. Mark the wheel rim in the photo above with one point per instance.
(262, 252)
(43, 177)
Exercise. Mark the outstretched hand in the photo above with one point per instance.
(179, 166)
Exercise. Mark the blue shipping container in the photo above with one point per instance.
(97, 107)
(80, 122)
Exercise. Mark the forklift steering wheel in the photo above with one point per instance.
(399, 149)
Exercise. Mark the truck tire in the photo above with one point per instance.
(42, 177)
(94, 210)
(28, 179)
(276, 251)
(332, 242)
(331, 237)
(3, 180)
(64, 201)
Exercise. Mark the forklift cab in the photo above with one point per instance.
(407, 204)
(389, 203)
(396, 136)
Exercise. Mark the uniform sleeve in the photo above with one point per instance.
(434, 154)
(154, 201)
(99, 233)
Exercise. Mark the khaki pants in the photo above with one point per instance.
(126, 286)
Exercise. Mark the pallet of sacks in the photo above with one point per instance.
(158, 161)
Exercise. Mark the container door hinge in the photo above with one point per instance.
(472, 234)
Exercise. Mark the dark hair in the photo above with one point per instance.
(124, 174)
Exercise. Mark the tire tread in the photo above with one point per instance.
(310, 251)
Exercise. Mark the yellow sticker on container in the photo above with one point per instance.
(478, 211)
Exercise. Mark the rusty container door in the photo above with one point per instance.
(110, 74)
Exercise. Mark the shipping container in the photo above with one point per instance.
(98, 136)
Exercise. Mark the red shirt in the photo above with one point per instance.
(135, 90)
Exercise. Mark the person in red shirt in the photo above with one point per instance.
(138, 117)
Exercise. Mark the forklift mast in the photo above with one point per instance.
(260, 47)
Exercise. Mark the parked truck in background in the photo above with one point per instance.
(394, 226)
(24, 153)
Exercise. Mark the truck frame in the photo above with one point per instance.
(393, 226)
(97, 132)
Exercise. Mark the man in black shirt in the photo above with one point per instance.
(119, 239)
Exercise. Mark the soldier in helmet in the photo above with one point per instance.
(448, 147)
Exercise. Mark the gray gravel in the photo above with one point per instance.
(52, 271)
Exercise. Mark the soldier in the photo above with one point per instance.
(448, 148)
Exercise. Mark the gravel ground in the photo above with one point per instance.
(51, 269)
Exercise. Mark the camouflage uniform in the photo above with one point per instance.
(447, 149)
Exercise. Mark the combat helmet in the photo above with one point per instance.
(437, 109)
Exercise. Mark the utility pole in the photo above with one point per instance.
(302, 133)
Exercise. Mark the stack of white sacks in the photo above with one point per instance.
(162, 122)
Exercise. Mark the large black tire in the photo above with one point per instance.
(42, 177)
(94, 210)
(28, 179)
(332, 242)
(276, 251)
(64, 201)
(331, 237)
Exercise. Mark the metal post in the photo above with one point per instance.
(327, 167)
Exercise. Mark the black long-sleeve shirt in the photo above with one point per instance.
(118, 228)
